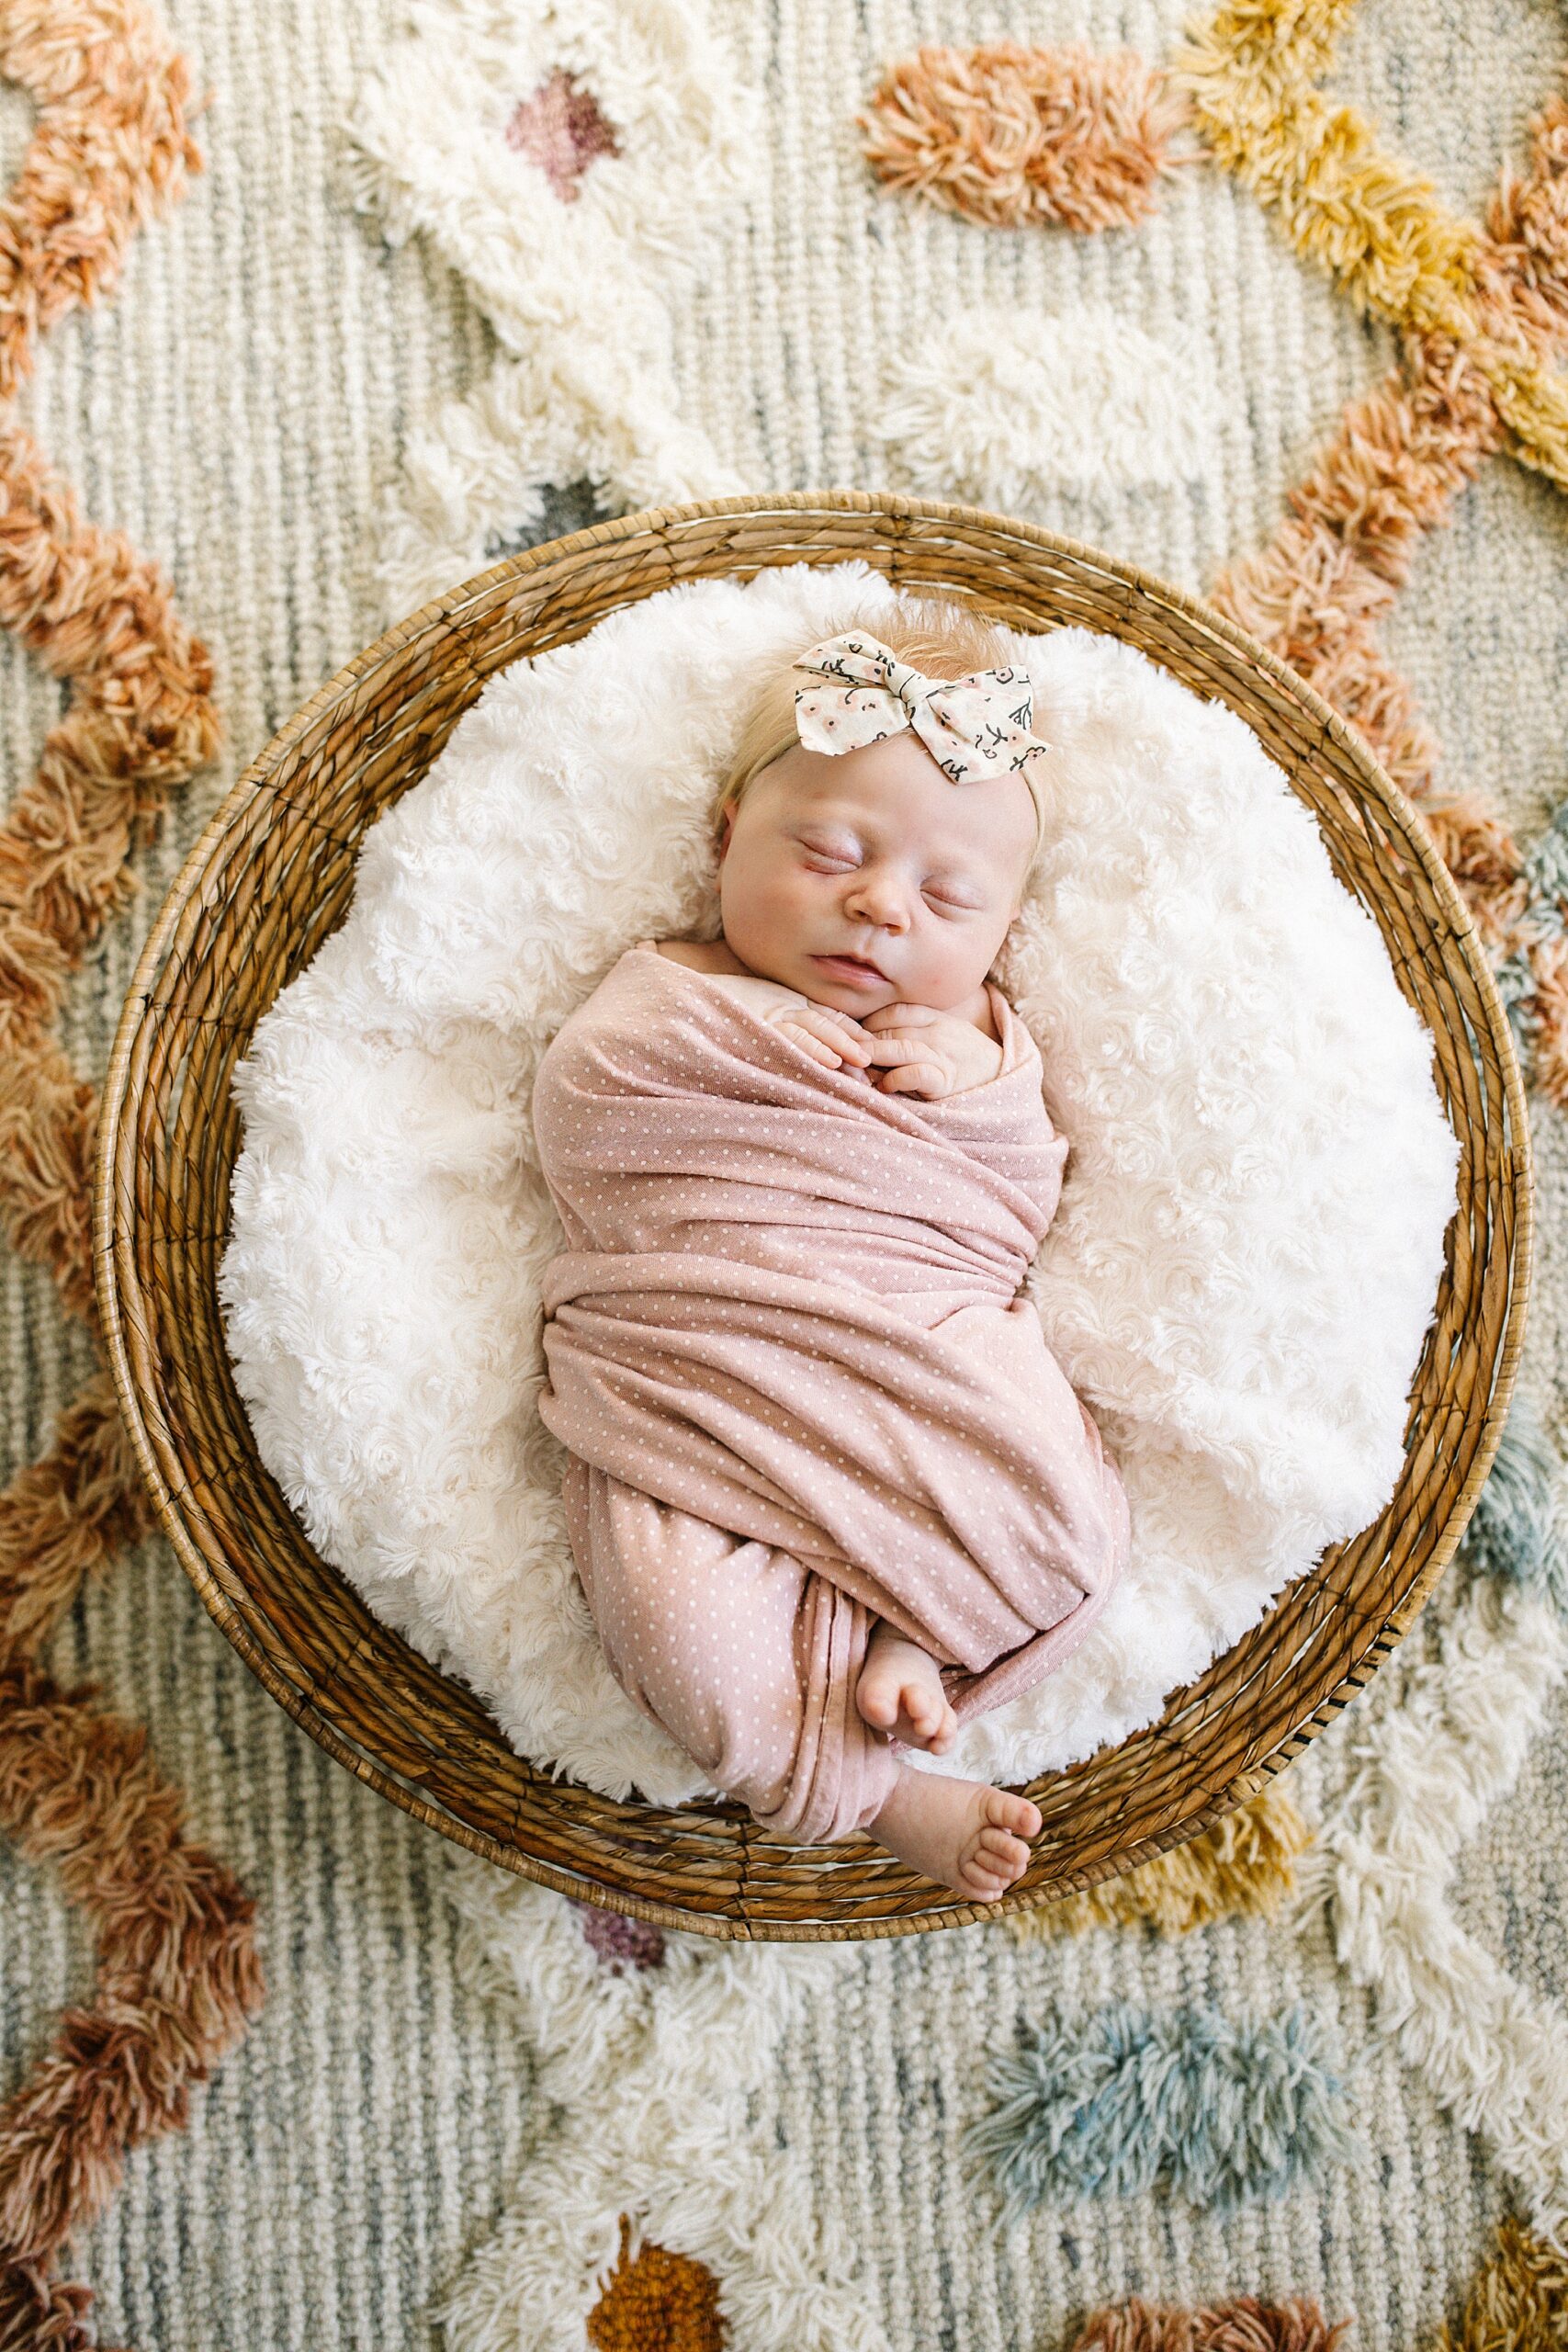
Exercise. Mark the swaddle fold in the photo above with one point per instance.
(789, 1307)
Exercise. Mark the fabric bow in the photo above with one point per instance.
(973, 726)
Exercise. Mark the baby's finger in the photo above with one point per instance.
(840, 1034)
(897, 1045)
(913, 1078)
(819, 1051)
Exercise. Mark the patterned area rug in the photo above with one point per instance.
(303, 315)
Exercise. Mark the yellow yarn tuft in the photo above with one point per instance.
(1373, 220)
(1242, 1864)
(1517, 2302)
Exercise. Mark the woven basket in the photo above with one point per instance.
(271, 878)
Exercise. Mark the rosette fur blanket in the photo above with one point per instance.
(1238, 1279)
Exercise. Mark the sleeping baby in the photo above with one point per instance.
(829, 1492)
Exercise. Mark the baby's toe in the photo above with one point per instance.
(876, 1704)
(1019, 1815)
(983, 1878)
(1002, 1869)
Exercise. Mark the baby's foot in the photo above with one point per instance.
(965, 1835)
(900, 1691)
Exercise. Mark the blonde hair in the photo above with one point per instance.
(935, 634)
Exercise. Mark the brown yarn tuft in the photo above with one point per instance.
(141, 719)
(1337, 563)
(1316, 593)
(177, 1973)
(660, 2302)
(1244, 2326)
(1012, 136)
(108, 148)
(71, 1512)
(1526, 225)
(39, 2314)
(1549, 963)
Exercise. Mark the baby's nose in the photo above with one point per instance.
(879, 899)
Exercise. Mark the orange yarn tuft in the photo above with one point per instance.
(108, 148)
(177, 1973)
(1244, 2326)
(660, 2302)
(1011, 136)
(141, 719)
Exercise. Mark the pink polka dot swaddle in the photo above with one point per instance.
(799, 1389)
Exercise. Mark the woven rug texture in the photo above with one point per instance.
(313, 395)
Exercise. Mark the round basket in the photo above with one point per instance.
(271, 878)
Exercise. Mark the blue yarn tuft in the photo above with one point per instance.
(1124, 2100)
(1517, 983)
(1513, 1532)
(1546, 861)
(1545, 873)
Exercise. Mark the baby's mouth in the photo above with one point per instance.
(857, 963)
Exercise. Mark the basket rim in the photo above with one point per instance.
(116, 1284)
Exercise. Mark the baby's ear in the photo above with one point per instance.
(727, 812)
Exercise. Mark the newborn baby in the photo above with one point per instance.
(827, 1491)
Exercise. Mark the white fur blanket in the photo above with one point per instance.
(1238, 1278)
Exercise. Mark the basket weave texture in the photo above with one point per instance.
(271, 878)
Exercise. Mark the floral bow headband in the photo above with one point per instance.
(973, 726)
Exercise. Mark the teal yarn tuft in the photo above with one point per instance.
(1546, 863)
(1513, 1532)
(1124, 2100)
(1545, 874)
(1517, 985)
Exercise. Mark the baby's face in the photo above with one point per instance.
(874, 854)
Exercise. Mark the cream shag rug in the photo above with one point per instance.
(425, 2136)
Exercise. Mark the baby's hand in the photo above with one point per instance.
(831, 1036)
(929, 1053)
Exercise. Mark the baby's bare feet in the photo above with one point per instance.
(900, 1691)
(965, 1835)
